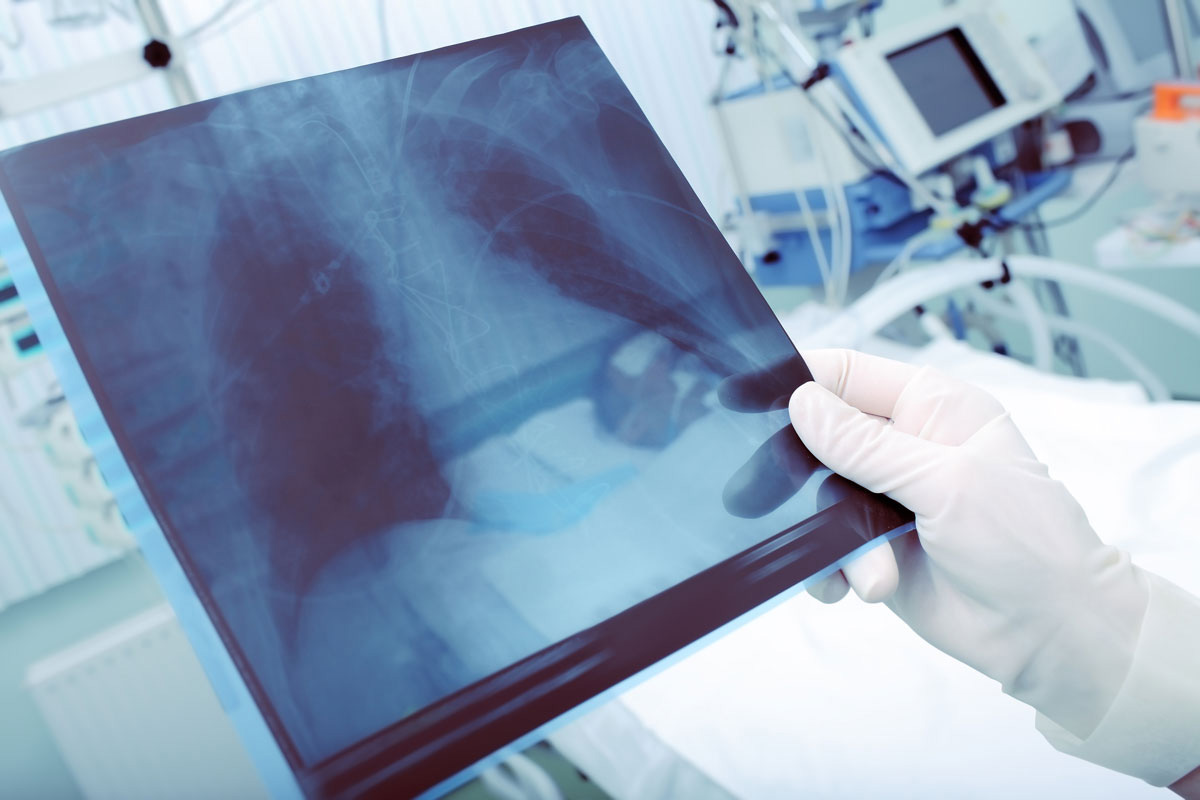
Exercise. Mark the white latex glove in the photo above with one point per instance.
(1004, 572)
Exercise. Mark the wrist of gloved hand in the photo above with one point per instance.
(1150, 729)
(1073, 676)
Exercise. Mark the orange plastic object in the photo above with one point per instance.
(1176, 101)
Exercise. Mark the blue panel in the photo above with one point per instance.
(439, 386)
(883, 223)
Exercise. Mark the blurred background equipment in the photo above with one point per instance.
(1167, 145)
(1131, 46)
(845, 145)
(1168, 140)
(857, 152)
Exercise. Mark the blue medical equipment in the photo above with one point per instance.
(886, 136)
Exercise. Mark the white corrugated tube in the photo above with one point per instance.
(885, 302)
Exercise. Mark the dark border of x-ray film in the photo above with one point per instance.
(476, 721)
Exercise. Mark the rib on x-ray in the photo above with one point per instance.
(445, 390)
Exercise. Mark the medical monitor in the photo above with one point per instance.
(1131, 43)
(432, 394)
(933, 71)
(946, 83)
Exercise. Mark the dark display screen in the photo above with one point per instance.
(444, 388)
(947, 82)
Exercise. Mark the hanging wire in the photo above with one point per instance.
(212, 28)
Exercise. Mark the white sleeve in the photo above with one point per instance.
(1152, 728)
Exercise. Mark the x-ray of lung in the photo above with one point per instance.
(443, 386)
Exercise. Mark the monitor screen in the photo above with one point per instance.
(947, 82)
(443, 387)
(1145, 28)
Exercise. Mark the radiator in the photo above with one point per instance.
(135, 717)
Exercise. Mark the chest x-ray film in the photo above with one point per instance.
(452, 404)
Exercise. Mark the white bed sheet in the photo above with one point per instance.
(845, 701)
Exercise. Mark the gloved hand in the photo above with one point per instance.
(1004, 572)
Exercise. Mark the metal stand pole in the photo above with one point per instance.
(1177, 23)
(178, 81)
